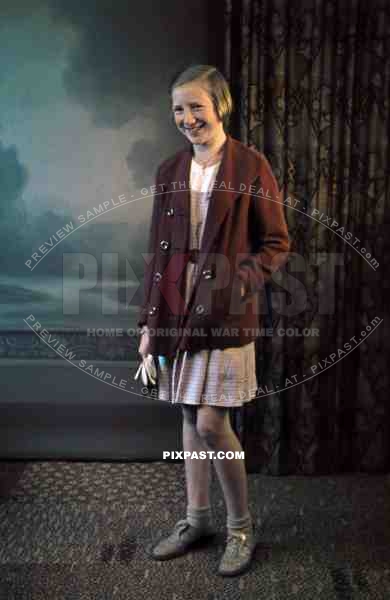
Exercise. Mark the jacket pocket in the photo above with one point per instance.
(232, 298)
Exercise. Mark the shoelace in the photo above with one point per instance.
(235, 541)
(181, 526)
(148, 370)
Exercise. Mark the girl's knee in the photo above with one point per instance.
(212, 423)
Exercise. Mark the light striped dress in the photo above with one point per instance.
(218, 377)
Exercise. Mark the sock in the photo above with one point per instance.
(199, 517)
(240, 524)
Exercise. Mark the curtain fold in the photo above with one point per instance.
(311, 86)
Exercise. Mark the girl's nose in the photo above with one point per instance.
(189, 118)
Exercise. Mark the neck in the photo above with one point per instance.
(205, 151)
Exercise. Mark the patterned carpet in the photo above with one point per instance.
(78, 531)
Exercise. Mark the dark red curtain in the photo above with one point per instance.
(311, 83)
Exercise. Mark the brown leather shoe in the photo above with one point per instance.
(183, 537)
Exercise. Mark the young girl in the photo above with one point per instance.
(210, 374)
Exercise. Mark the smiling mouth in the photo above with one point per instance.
(194, 128)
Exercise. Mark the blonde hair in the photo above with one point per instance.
(216, 85)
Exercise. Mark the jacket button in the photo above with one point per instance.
(164, 244)
(207, 274)
(153, 310)
(199, 309)
(169, 212)
(157, 277)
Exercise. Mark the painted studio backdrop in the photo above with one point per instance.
(84, 123)
(84, 120)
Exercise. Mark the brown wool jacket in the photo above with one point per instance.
(245, 240)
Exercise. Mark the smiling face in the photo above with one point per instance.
(195, 115)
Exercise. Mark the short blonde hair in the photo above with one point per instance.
(216, 85)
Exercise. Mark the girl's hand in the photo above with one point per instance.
(144, 346)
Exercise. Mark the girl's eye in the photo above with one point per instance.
(180, 109)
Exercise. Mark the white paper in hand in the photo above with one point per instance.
(147, 370)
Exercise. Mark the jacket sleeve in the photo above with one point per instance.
(149, 266)
(268, 232)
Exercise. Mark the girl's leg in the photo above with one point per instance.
(198, 523)
(214, 427)
(197, 471)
